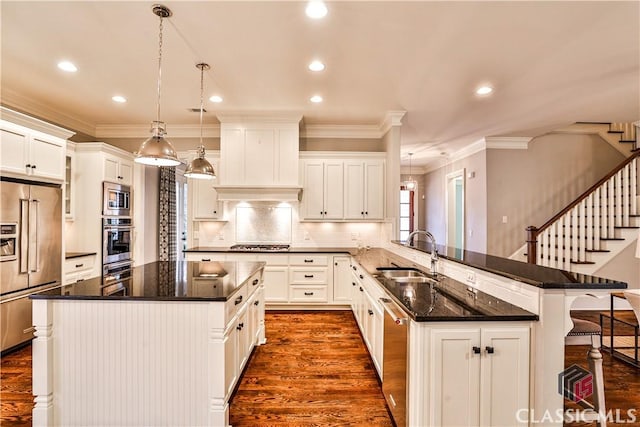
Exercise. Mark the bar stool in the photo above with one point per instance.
(585, 332)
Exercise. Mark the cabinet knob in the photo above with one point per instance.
(489, 349)
(28, 165)
(238, 300)
(33, 166)
(325, 212)
(366, 212)
(256, 303)
(361, 276)
(215, 212)
(353, 283)
(370, 312)
(476, 350)
(362, 213)
(255, 282)
(361, 290)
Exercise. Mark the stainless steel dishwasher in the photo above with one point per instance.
(394, 365)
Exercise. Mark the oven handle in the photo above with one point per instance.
(117, 227)
(119, 264)
(398, 316)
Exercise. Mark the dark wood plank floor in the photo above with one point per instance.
(314, 370)
(308, 342)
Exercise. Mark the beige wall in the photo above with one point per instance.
(625, 267)
(475, 201)
(530, 186)
(179, 144)
(341, 144)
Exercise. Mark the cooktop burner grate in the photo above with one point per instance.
(260, 248)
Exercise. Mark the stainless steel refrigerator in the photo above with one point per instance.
(30, 252)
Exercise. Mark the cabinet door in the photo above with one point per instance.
(244, 341)
(374, 190)
(14, 152)
(231, 367)
(47, 158)
(342, 279)
(204, 197)
(354, 190)
(276, 284)
(287, 157)
(505, 375)
(313, 191)
(126, 172)
(455, 377)
(111, 172)
(69, 185)
(333, 189)
(232, 156)
(378, 334)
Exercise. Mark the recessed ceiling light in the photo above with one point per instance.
(67, 66)
(484, 90)
(118, 98)
(316, 99)
(316, 66)
(316, 9)
(216, 99)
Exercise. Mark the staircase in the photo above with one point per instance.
(599, 224)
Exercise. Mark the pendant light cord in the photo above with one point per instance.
(201, 104)
(159, 69)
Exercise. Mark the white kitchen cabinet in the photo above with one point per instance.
(342, 279)
(29, 152)
(79, 268)
(118, 169)
(276, 277)
(69, 182)
(308, 278)
(477, 375)
(323, 189)
(204, 198)
(259, 151)
(364, 189)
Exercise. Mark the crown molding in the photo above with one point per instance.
(508, 142)
(391, 119)
(263, 117)
(17, 101)
(13, 117)
(143, 131)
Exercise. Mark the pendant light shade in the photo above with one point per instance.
(410, 184)
(156, 150)
(200, 168)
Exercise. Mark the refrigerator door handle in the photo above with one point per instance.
(36, 224)
(24, 235)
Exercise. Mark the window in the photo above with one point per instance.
(406, 213)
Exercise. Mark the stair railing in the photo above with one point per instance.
(592, 217)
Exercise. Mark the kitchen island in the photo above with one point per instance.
(165, 348)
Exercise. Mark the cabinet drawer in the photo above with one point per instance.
(308, 276)
(274, 259)
(234, 304)
(309, 260)
(74, 265)
(254, 283)
(308, 293)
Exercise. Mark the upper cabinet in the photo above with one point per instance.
(346, 188)
(118, 169)
(204, 198)
(259, 151)
(31, 148)
(364, 189)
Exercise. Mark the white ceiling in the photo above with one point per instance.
(551, 64)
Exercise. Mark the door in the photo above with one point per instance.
(455, 195)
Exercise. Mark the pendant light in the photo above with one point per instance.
(199, 167)
(410, 184)
(156, 150)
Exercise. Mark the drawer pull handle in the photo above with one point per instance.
(255, 282)
(79, 265)
(354, 267)
(308, 293)
(361, 276)
(361, 290)
(308, 260)
(206, 259)
(476, 350)
(240, 326)
(308, 276)
(239, 300)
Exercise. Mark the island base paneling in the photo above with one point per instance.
(139, 362)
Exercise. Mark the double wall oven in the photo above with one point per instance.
(117, 238)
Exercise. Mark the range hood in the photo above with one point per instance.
(259, 156)
(254, 193)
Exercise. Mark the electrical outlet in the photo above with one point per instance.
(471, 276)
(220, 236)
(354, 236)
(307, 236)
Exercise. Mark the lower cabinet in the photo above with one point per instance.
(342, 279)
(475, 375)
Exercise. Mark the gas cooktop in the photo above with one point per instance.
(263, 247)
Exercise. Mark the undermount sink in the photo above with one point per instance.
(407, 275)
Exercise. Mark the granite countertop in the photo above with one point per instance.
(535, 275)
(70, 255)
(449, 300)
(165, 281)
(291, 250)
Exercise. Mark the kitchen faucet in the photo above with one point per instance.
(434, 250)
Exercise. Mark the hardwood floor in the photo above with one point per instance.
(314, 370)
